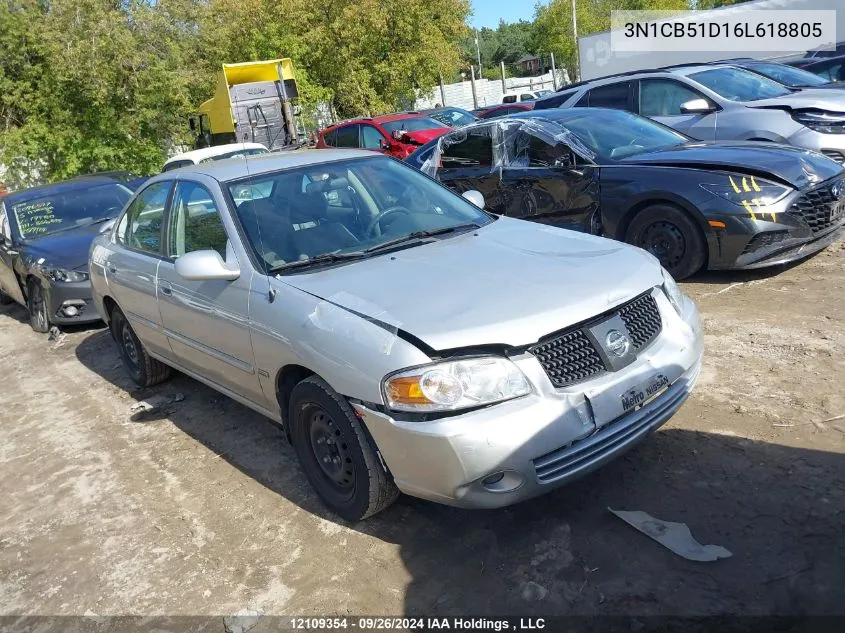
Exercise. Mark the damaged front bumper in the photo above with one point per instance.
(71, 303)
(523, 448)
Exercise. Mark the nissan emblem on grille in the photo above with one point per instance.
(572, 355)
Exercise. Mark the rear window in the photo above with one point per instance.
(611, 96)
(412, 124)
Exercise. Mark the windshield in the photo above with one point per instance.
(735, 84)
(788, 76)
(43, 215)
(412, 124)
(454, 118)
(344, 207)
(616, 134)
(236, 154)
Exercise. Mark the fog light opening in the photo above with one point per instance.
(70, 311)
(502, 481)
(71, 308)
(495, 478)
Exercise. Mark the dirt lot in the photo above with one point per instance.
(201, 507)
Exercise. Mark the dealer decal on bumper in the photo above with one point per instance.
(642, 393)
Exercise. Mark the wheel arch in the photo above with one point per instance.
(109, 305)
(674, 201)
(286, 379)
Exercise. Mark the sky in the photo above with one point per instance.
(489, 12)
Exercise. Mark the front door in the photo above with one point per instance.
(206, 322)
(132, 265)
(543, 180)
(8, 281)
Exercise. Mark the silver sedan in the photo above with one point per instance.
(405, 338)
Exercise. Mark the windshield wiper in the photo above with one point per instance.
(325, 258)
(418, 235)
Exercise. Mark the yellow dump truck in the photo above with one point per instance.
(252, 102)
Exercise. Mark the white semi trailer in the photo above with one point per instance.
(596, 59)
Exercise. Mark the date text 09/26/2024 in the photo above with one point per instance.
(422, 623)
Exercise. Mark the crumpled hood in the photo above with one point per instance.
(795, 165)
(511, 283)
(421, 137)
(66, 249)
(805, 99)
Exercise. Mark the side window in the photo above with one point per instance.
(528, 151)
(663, 97)
(329, 138)
(5, 229)
(526, 97)
(140, 226)
(370, 137)
(347, 136)
(195, 224)
(610, 96)
(509, 99)
(834, 72)
(472, 149)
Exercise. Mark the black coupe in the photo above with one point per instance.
(692, 204)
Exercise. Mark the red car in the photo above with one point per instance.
(505, 109)
(397, 135)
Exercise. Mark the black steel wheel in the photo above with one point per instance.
(671, 236)
(336, 453)
(36, 305)
(141, 367)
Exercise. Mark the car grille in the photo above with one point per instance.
(764, 240)
(839, 157)
(569, 356)
(816, 207)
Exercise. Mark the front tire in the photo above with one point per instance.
(670, 235)
(36, 305)
(335, 452)
(5, 299)
(145, 370)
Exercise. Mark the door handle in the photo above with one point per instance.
(111, 267)
(166, 288)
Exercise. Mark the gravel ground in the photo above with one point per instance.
(199, 506)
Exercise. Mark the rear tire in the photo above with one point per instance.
(670, 235)
(36, 305)
(5, 299)
(145, 370)
(336, 453)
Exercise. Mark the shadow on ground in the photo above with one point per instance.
(778, 509)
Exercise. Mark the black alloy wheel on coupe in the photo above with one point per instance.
(671, 236)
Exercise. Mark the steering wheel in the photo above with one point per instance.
(371, 227)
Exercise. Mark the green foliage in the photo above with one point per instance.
(89, 85)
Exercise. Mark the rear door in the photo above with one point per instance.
(347, 136)
(661, 100)
(466, 163)
(206, 322)
(547, 182)
(132, 265)
(617, 95)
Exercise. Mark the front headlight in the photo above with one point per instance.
(748, 192)
(672, 291)
(455, 384)
(820, 121)
(67, 276)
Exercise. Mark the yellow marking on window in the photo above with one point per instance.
(754, 184)
(733, 184)
(749, 209)
(745, 186)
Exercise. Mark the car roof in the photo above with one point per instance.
(216, 150)
(234, 168)
(81, 182)
(383, 118)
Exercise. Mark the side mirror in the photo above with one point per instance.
(475, 197)
(384, 144)
(696, 106)
(204, 266)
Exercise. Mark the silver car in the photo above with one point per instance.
(406, 339)
(720, 102)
